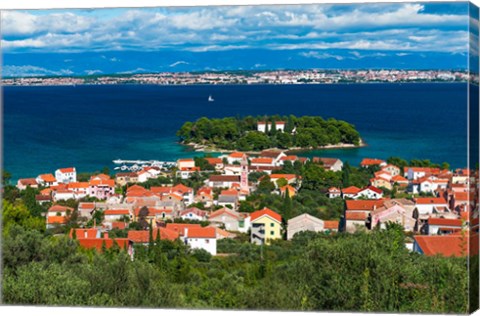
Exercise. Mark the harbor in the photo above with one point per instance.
(135, 165)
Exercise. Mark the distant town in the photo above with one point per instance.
(252, 77)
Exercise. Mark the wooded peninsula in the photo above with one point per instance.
(258, 133)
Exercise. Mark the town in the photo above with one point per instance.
(206, 199)
(253, 77)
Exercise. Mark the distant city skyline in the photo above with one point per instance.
(324, 36)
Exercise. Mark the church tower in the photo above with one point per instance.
(244, 174)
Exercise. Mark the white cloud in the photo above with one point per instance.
(31, 70)
(93, 71)
(180, 62)
(319, 55)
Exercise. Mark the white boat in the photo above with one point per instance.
(210, 99)
(118, 161)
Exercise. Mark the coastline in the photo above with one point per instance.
(212, 149)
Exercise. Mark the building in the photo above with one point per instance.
(370, 192)
(266, 225)
(231, 220)
(350, 192)
(429, 205)
(66, 175)
(46, 180)
(201, 238)
(368, 162)
(204, 195)
(113, 215)
(453, 245)
(220, 181)
(444, 226)
(334, 192)
(194, 213)
(332, 164)
(185, 163)
(391, 169)
(307, 222)
(264, 127)
(22, 184)
(124, 178)
(100, 188)
(143, 236)
(414, 173)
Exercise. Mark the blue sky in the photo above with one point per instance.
(390, 35)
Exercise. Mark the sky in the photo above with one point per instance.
(135, 40)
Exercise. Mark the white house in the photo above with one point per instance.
(267, 126)
(332, 164)
(275, 155)
(414, 173)
(194, 214)
(235, 157)
(116, 215)
(334, 192)
(185, 163)
(201, 238)
(444, 226)
(431, 205)
(220, 181)
(370, 192)
(306, 222)
(66, 175)
(64, 195)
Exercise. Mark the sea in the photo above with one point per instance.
(89, 126)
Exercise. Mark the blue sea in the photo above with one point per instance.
(46, 128)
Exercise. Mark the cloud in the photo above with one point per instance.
(180, 62)
(200, 29)
(31, 70)
(92, 72)
(319, 55)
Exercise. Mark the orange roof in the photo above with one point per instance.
(180, 228)
(119, 225)
(86, 205)
(262, 160)
(223, 211)
(28, 181)
(267, 212)
(370, 162)
(186, 160)
(283, 176)
(59, 208)
(136, 187)
(80, 233)
(399, 178)
(67, 170)
(143, 236)
(153, 211)
(47, 177)
(190, 169)
(462, 196)
(330, 224)
(214, 161)
(182, 188)
(56, 219)
(161, 190)
(229, 192)
(116, 212)
(289, 158)
(46, 191)
(351, 190)
(77, 185)
(96, 243)
(203, 232)
(444, 222)
(109, 182)
(355, 216)
(363, 205)
(236, 154)
(422, 169)
(100, 176)
(430, 200)
(446, 245)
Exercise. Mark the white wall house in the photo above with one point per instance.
(66, 175)
(201, 238)
(371, 193)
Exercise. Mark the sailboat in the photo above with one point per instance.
(210, 99)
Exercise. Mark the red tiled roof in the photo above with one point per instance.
(374, 189)
(270, 153)
(214, 161)
(96, 243)
(370, 162)
(265, 212)
(116, 212)
(399, 178)
(229, 192)
(161, 190)
(355, 216)
(364, 205)
(42, 197)
(283, 176)
(56, 219)
(182, 189)
(444, 221)
(77, 185)
(330, 224)
(334, 189)
(67, 170)
(180, 228)
(446, 245)
(47, 177)
(220, 178)
(262, 160)
(236, 155)
(193, 210)
(80, 233)
(186, 160)
(351, 190)
(423, 169)
(203, 232)
(143, 236)
(289, 158)
(462, 196)
(223, 211)
(430, 200)
(86, 205)
(119, 225)
(28, 181)
(109, 182)
(59, 208)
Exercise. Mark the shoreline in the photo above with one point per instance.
(211, 149)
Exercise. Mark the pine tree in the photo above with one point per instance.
(346, 175)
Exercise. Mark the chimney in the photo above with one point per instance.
(105, 235)
(186, 232)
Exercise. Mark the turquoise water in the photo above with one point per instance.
(89, 126)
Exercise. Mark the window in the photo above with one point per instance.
(207, 241)
(272, 224)
(271, 232)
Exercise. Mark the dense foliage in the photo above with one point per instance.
(242, 134)
(361, 272)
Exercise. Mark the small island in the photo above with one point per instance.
(262, 132)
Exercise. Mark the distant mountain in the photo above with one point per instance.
(129, 62)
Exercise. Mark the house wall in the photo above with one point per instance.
(208, 244)
(272, 228)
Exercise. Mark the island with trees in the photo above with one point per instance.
(262, 132)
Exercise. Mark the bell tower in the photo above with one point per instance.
(244, 174)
